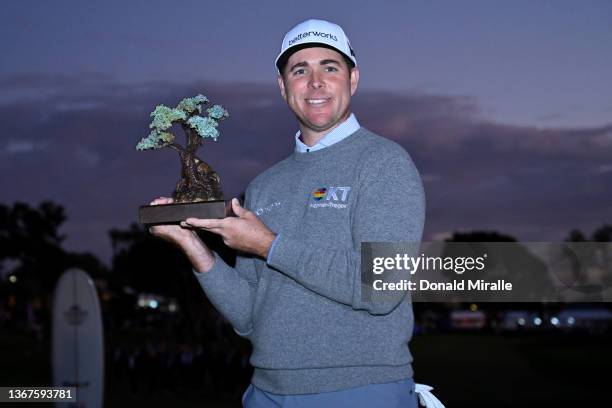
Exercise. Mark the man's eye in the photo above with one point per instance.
(298, 71)
(331, 69)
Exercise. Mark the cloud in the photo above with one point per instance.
(72, 139)
(550, 117)
(132, 39)
(22, 146)
(604, 168)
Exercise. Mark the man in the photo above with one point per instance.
(296, 290)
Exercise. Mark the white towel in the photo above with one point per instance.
(426, 398)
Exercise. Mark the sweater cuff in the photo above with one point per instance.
(272, 248)
(283, 253)
(215, 275)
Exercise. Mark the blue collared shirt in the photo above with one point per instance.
(343, 130)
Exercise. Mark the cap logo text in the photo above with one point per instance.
(312, 33)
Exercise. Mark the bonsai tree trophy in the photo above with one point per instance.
(198, 192)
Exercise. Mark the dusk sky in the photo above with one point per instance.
(505, 107)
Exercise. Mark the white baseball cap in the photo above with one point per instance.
(315, 32)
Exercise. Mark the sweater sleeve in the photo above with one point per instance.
(232, 290)
(390, 207)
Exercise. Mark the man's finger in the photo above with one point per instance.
(162, 200)
(204, 223)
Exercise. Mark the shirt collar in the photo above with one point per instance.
(342, 131)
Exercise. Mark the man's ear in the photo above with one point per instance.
(281, 85)
(354, 80)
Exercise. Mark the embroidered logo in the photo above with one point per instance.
(267, 208)
(334, 197)
(319, 194)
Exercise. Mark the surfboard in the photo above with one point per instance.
(77, 339)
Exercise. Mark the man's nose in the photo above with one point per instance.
(316, 80)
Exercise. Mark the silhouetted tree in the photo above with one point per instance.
(603, 234)
(592, 254)
(31, 243)
(480, 236)
(575, 236)
(149, 264)
(512, 260)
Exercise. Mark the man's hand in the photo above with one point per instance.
(245, 232)
(200, 256)
(172, 233)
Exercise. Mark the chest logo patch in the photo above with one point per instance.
(334, 197)
(319, 194)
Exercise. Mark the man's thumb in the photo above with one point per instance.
(238, 210)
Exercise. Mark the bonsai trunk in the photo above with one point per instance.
(198, 181)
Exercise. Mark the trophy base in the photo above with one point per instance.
(175, 213)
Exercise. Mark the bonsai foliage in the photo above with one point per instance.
(198, 181)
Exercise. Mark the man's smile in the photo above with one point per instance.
(317, 101)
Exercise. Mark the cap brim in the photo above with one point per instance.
(282, 59)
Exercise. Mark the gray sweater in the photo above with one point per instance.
(302, 309)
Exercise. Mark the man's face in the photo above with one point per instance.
(318, 84)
